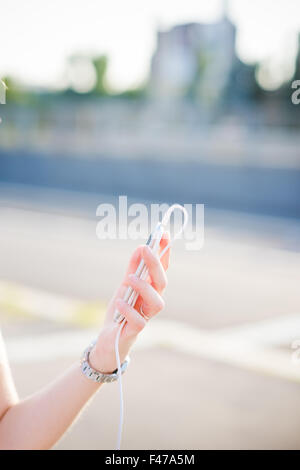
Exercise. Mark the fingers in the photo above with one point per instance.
(135, 321)
(132, 267)
(156, 270)
(163, 243)
(150, 299)
(155, 266)
(135, 260)
(137, 254)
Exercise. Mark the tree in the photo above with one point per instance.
(100, 63)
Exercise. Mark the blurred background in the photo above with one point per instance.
(170, 101)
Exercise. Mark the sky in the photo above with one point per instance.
(36, 36)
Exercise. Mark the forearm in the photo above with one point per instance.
(39, 421)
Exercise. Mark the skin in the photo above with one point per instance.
(40, 420)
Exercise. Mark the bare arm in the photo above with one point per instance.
(39, 421)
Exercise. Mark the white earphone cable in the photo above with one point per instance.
(131, 297)
(119, 438)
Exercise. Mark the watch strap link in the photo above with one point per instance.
(94, 374)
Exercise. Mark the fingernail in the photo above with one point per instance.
(133, 277)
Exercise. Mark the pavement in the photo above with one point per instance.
(215, 370)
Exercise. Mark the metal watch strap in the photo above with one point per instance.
(94, 374)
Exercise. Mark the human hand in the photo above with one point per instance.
(102, 356)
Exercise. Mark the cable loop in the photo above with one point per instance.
(131, 298)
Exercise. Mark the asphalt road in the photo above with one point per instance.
(247, 271)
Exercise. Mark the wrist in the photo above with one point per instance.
(106, 365)
(96, 374)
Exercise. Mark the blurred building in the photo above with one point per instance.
(193, 60)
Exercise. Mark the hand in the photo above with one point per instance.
(102, 357)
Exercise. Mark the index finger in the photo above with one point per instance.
(163, 244)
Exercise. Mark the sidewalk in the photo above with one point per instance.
(194, 381)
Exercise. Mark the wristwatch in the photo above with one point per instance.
(94, 374)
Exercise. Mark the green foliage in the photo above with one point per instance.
(100, 63)
(134, 93)
(15, 93)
